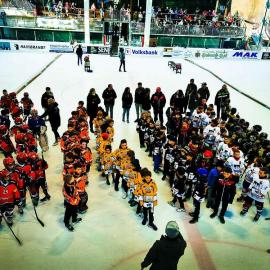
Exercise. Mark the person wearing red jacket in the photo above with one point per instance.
(71, 201)
(9, 196)
(6, 145)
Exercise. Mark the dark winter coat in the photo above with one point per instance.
(92, 104)
(178, 100)
(165, 253)
(222, 98)
(79, 51)
(191, 96)
(204, 93)
(158, 101)
(139, 95)
(127, 100)
(35, 124)
(44, 99)
(146, 103)
(109, 96)
(54, 115)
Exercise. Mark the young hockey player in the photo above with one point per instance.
(158, 150)
(257, 192)
(9, 197)
(224, 192)
(71, 201)
(107, 163)
(6, 145)
(82, 112)
(27, 104)
(199, 193)
(86, 154)
(141, 128)
(178, 189)
(148, 198)
(210, 134)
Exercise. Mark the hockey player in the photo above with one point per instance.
(149, 137)
(257, 192)
(71, 201)
(86, 154)
(5, 100)
(148, 199)
(6, 145)
(4, 118)
(178, 189)
(223, 149)
(210, 133)
(141, 128)
(199, 193)
(39, 166)
(158, 150)
(27, 104)
(83, 129)
(18, 122)
(68, 164)
(224, 192)
(237, 165)
(199, 119)
(9, 197)
(107, 163)
(82, 112)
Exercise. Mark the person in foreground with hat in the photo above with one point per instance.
(166, 252)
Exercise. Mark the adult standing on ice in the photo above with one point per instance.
(79, 53)
(122, 58)
(166, 252)
(109, 96)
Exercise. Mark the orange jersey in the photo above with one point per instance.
(148, 196)
(84, 133)
(107, 161)
(110, 131)
(87, 155)
(81, 183)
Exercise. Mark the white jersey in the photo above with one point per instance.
(241, 153)
(237, 166)
(199, 119)
(210, 134)
(251, 173)
(258, 189)
(223, 151)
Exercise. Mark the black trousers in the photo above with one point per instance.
(79, 59)
(71, 211)
(122, 63)
(41, 182)
(197, 208)
(158, 114)
(56, 134)
(180, 200)
(147, 211)
(224, 206)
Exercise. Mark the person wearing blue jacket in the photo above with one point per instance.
(211, 181)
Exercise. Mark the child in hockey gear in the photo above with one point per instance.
(82, 112)
(199, 193)
(9, 196)
(141, 128)
(68, 164)
(210, 133)
(87, 64)
(6, 145)
(69, 138)
(158, 150)
(39, 166)
(27, 104)
(5, 100)
(224, 192)
(148, 199)
(149, 137)
(17, 127)
(205, 160)
(80, 180)
(184, 133)
(83, 129)
(178, 189)
(71, 201)
(4, 118)
(212, 179)
(107, 163)
(86, 154)
(15, 109)
(73, 120)
(97, 122)
(176, 124)
(257, 192)
(199, 119)
(223, 149)
(237, 165)
(251, 172)
(110, 128)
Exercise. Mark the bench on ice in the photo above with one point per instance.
(177, 67)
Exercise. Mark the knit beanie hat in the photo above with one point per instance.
(172, 229)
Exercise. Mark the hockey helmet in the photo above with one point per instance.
(21, 157)
(32, 155)
(3, 129)
(26, 94)
(8, 161)
(20, 138)
(25, 127)
(181, 170)
(18, 121)
(263, 135)
(257, 128)
(208, 154)
(4, 173)
(12, 95)
(202, 172)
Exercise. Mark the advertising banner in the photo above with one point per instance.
(250, 55)
(266, 55)
(144, 51)
(4, 45)
(29, 46)
(98, 50)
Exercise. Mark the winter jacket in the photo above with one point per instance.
(158, 101)
(127, 100)
(191, 96)
(44, 99)
(54, 115)
(178, 100)
(109, 96)
(222, 98)
(146, 103)
(122, 56)
(92, 104)
(213, 177)
(79, 51)
(204, 93)
(165, 253)
(139, 95)
(35, 124)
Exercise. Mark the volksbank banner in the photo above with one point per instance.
(140, 51)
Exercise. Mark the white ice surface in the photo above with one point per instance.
(111, 236)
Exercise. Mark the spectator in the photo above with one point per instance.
(158, 101)
(122, 59)
(127, 101)
(44, 99)
(178, 101)
(146, 102)
(203, 92)
(166, 252)
(109, 96)
(191, 96)
(222, 100)
(93, 101)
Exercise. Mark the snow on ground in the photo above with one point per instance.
(111, 235)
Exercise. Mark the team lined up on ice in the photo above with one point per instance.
(195, 142)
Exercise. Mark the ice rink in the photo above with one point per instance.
(111, 235)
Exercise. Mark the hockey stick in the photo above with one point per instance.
(18, 240)
(38, 219)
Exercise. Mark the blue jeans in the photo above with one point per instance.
(125, 112)
(109, 109)
(157, 161)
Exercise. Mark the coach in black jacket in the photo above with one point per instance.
(166, 252)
